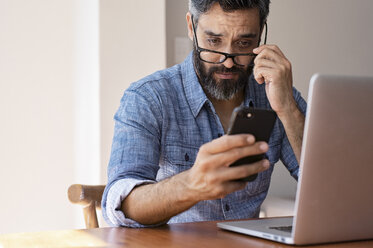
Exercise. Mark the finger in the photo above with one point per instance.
(268, 46)
(229, 157)
(268, 54)
(225, 179)
(259, 49)
(224, 188)
(227, 142)
(265, 63)
(237, 172)
(258, 75)
(263, 75)
(276, 49)
(276, 61)
(233, 186)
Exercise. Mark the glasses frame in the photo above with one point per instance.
(226, 55)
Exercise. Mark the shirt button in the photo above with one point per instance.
(227, 208)
(186, 157)
(219, 135)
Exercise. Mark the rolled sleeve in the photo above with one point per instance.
(135, 153)
(116, 194)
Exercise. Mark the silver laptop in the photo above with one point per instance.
(334, 200)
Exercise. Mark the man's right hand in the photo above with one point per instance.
(212, 178)
(209, 178)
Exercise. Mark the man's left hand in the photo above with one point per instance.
(274, 69)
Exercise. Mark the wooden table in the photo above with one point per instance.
(202, 234)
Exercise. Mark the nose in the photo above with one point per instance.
(228, 63)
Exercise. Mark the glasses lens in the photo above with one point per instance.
(211, 57)
(217, 58)
(243, 59)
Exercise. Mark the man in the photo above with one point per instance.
(170, 160)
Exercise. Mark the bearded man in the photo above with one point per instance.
(171, 155)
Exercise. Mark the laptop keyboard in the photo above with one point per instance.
(282, 228)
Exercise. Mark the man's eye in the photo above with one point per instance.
(213, 42)
(244, 43)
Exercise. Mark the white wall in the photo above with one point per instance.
(175, 27)
(87, 92)
(132, 45)
(37, 120)
(49, 93)
(326, 36)
(51, 128)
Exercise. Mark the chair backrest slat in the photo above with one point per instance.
(89, 196)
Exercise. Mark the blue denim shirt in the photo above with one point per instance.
(162, 121)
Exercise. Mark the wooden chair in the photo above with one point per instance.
(89, 196)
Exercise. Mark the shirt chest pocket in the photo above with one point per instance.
(178, 158)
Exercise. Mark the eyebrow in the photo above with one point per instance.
(248, 35)
(210, 33)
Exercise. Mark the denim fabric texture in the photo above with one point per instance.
(162, 121)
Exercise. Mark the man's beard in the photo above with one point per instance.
(223, 89)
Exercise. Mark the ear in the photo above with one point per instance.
(189, 25)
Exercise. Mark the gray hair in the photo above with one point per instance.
(198, 7)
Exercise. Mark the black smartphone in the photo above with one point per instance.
(258, 122)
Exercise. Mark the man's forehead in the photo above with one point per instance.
(216, 16)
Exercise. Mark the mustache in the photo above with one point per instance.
(224, 69)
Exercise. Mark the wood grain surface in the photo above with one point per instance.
(200, 234)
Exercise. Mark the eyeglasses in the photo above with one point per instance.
(216, 57)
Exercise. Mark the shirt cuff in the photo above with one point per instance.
(117, 193)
